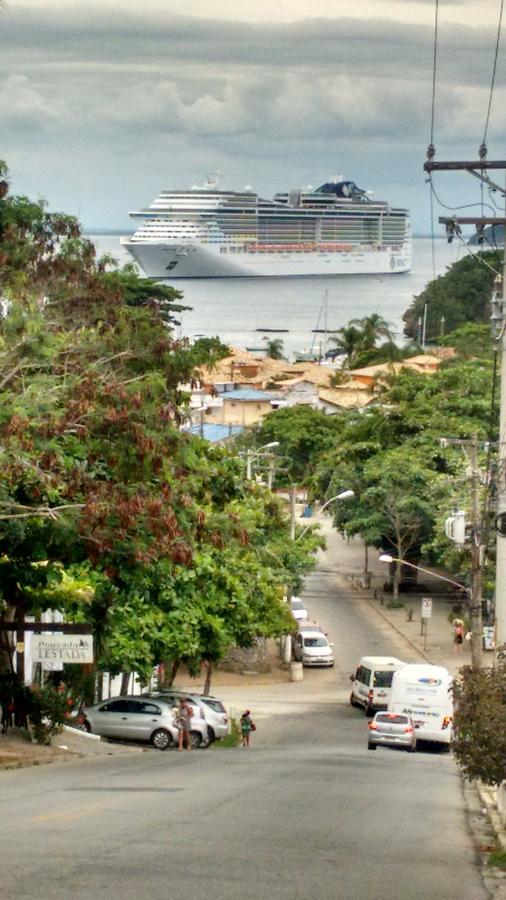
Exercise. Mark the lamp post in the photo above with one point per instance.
(252, 454)
(344, 495)
(476, 639)
(386, 558)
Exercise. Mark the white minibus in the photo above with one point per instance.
(372, 681)
(423, 691)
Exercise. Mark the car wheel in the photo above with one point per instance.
(211, 737)
(353, 702)
(196, 739)
(371, 746)
(161, 739)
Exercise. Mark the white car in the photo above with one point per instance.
(312, 648)
(299, 611)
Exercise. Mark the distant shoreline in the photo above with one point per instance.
(89, 232)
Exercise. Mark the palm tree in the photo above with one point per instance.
(349, 341)
(373, 327)
(274, 349)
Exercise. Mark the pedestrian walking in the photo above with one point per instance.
(458, 635)
(183, 719)
(247, 726)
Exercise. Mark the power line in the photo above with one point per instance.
(434, 73)
(453, 208)
(494, 70)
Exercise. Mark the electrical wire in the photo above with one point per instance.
(434, 72)
(453, 208)
(494, 70)
(478, 257)
(430, 152)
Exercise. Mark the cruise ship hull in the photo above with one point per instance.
(169, 262)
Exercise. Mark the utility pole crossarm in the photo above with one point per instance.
(431, 165)
(471, 220)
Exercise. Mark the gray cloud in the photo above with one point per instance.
(269, 103)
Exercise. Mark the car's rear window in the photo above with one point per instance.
(392, 718)
(383, 679)
(297, 604)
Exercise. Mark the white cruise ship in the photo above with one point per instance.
(205, 232)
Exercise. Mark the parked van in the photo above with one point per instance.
(372, 682)
(311, 647)
(423, 692)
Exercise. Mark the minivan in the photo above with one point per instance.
(311, 647)
(372, 682)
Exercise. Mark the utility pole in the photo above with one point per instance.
(479, 169)
(476, 558)
(477, 547)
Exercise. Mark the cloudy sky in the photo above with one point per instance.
(103, 102)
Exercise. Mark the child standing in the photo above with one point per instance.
(247, 726)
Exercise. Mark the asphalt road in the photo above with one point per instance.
(307, 812)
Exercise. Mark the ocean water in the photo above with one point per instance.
(240, 310)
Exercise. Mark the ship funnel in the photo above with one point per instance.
(294, 197)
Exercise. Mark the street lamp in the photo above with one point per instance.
(344, 495)
(386, 558)
(251, 454)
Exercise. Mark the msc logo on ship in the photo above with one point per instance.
(397, 262)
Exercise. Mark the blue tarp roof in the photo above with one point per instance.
(247, 394)
(214, 432)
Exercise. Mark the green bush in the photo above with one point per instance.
(480, 722)
(48, 708)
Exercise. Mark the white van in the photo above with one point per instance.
(423, 692)
(372, 681)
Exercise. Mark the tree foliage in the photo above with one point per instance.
(461, 295)
(480, 722)
(303, 434)
(405, 483)
(107, 509)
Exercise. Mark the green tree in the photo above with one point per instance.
(470, 340)
(373, 328)
(480, 722)
(303, 434)
(349, 342)
(107, 510)
(274, 349)
(461, 295)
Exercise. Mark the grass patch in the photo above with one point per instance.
(497, 859)
(231, 740)
(395, 604)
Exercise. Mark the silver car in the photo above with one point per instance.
(393, 730)
(140, 719)
(208, 709)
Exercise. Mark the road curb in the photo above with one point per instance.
(487, 798)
